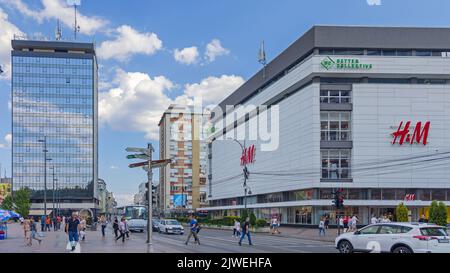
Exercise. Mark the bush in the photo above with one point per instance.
(402, 213)
(261, 223)
(434, 211)
(252, 219)
(442, 215)
(244, 216)
(229, 220)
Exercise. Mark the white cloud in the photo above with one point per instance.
(128, 42)
(58, 9)
(188, 55)
(374, 2)
(213, 89)
(137, 101)
(7, 31)
(214, 49)
(124, 199)
(8, 141)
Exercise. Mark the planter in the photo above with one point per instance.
(253, 229)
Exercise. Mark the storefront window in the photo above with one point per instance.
(438, 194)
(376, 194)
(335, 164)
(325, 194)
(425, 195)
(303, 195)
(388, 194)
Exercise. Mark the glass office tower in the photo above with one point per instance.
(54, 94)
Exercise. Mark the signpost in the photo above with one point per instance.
(148, 165)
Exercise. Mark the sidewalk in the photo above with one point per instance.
(308, 233)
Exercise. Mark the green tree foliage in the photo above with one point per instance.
(252, 219)
(22, 202)
(402, 213)
(434, 211)
(244, 215)
(261, 223)
(7, 203)
(442, 214)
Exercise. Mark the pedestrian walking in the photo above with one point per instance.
(341, 223)
(103, 222)
(374, 220)
(322, 226)
(72, 229)
(116, 227)
(237, 229)
(246, 231)
(122, 230)
(33, 229)
(193, 224)
(346, 222)
(127, 229)
(327, 221)
(355, 221)
(83, 228)
(48, 223)
(55, 223)
(26, 231)
(58, 222)
(274, 224)
(43, 223)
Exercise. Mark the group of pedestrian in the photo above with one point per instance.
(274, 225)
(120, 227)
(30, 231)
(348, 223)
(241, 232)
(48, 223)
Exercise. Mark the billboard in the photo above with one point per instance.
(5, 190)
(179, 200)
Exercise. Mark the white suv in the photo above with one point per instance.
(396, 238)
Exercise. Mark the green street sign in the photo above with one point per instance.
(138, 156)
(344, 63)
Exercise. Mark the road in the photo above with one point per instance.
(212, 241)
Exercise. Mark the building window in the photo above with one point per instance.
(335, 126)
(335, 164)
(335, 96)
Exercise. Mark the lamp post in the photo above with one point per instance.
(44, 141)
(247, 189)
(53, 192)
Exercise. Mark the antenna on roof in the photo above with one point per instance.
(76, 27)
(58, 33)
(262, 59)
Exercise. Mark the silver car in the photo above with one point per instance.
(396, 238)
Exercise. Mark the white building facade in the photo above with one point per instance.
(341, 93)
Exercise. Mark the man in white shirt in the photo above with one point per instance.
(374, 220)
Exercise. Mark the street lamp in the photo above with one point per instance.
(53, 192)
(245, 171)
(44, 141)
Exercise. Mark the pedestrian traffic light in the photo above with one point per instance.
(338, 198)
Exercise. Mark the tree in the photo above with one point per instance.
(252, 219)
(244, 215)
(442, 215)
(7, 203)
(433, 218)
(22, 202)
(402, 213)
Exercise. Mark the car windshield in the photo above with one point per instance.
(434, 231)
(172, 222)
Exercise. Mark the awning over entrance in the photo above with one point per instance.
(39, 212)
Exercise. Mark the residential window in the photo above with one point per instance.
(335, 96)
(335, 164)
(335, 126)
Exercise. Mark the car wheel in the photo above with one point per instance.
(345, 247)
(402, 249)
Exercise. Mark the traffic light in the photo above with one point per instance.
(246, 173)
(338, 199)
(153, 195)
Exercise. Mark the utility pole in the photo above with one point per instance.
(44, 141)
(53, 191)
(148, 165)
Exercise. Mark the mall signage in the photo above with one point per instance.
(248, 155)
(344, 63)
(405, 133)
(410, 197)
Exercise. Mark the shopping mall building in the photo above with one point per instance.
(366, 109)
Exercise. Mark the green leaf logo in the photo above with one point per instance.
(327, 63)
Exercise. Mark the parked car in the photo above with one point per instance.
(396, 238)
(170, 226)
(155, 224)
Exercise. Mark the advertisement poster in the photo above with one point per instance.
(5, 190)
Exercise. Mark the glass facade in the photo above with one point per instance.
(54, 98)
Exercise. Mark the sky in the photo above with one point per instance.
(154, 53)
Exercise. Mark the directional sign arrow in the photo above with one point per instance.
(139, 156)
(138, 150)
(158, 164)
(140, 164)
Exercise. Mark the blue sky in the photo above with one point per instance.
(153, 53)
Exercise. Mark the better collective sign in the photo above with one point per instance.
(405, 133)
